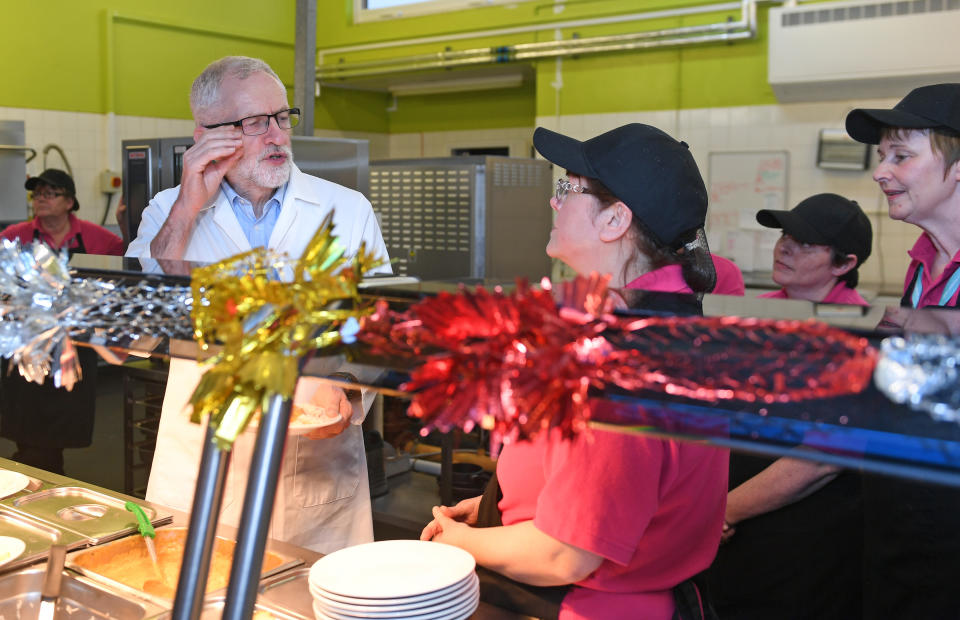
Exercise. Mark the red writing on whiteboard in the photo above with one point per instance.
(718, 190)
(769, 176)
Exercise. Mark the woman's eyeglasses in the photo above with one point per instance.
(564, 187)
(48, 194)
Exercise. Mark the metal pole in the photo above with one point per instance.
(446, 469)
(305, 65)
(257, 509)
(198, 549)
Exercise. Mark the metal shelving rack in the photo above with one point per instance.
(143, 387)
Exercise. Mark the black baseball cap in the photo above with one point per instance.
(652, 173)
(825, 219)
(55, 178)
(928, 107)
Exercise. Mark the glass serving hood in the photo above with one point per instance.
(865, 430)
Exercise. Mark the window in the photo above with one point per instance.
(370, 10)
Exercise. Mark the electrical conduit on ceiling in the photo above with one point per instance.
(744, 28)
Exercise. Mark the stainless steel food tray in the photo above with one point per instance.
(286, 563)
(289, 591)
(80, 598)
(37, 536)
(96, 516)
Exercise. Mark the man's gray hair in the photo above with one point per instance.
(205, 92)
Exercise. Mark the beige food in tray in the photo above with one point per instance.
(126, 561)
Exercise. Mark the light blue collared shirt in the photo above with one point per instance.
(257, 230)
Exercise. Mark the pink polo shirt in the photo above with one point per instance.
(923, 253)
(839, 294)
(669, 279)
(652, 508)
(96, 239)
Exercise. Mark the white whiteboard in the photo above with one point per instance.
(740, 184)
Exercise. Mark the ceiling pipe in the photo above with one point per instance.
(726, 31)
(576, 23)
(625, 47)
(502, 54)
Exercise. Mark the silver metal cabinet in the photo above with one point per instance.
(13, 172)
(464, 217)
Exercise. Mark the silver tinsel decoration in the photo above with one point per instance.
(43, 308)
(921, 371)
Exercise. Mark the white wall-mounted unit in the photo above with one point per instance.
(862, 49)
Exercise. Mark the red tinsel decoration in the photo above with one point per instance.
(519, 364)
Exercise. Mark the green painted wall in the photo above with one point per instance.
(139, 58)
(66, 51)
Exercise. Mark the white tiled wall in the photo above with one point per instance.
(92, 144)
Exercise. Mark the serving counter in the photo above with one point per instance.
(88, 592)
(863, 430)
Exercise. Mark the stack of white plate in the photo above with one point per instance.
(409, 579)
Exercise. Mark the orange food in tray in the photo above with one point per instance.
(126, 561)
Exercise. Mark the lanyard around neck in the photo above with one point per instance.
(949, 289)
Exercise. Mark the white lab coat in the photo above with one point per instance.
(323, 497)
(308, 199)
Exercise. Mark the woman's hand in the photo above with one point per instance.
(727, 532)
(464, 512)
(446, 529)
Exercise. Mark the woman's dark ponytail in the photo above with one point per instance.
(696, 263)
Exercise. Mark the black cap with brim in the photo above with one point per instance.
(936, 106)
(563, 151)
(55, 178)
(652, 173)
(865, 125)
(825, 219)
(793, 225)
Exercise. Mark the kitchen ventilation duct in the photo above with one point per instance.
(855, 50)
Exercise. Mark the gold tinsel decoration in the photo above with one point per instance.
(268, 312)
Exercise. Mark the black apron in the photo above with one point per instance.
(46, 416)
(802, 560)
(911, 542)
(79, 248)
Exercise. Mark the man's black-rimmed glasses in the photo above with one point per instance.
(257, 125)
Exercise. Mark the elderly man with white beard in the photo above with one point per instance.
(240, 190)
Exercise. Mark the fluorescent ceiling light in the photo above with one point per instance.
(456, 85)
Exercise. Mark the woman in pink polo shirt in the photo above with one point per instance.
(911, 539)
(43, 420)
(792, 527)
(54, 201)
(608, 525)
(825, 240)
